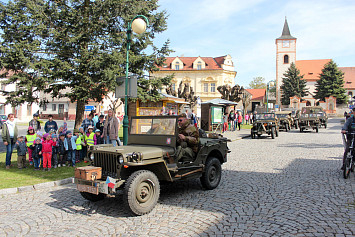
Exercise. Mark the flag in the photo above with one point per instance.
(110, 182)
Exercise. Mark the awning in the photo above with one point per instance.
(220, 102)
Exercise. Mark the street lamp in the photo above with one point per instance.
(270, 83)
(138, 24)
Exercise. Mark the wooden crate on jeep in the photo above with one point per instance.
(88, 172)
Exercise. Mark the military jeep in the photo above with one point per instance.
(284, 119)
(265, 123)
(322, 115)
(309, 119)
(149, 159)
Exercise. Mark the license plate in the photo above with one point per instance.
(88, 189)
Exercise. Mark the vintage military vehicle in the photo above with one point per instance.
(309, 119)
(265, 123)
(146, 161)
(322, 115)
(284, 119)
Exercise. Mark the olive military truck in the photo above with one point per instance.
(265, 123)
(148, 159)
(284, 120)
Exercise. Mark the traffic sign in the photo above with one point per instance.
(89, 107)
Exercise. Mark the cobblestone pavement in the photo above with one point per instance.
(290, 186)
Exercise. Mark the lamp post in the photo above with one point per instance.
(270, 83)
(138, 24)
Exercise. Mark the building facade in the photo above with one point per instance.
(203, 74)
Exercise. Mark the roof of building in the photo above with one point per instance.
(286, 32)
(211, 63)
(311, 68)
(349, 77)
(258, 94)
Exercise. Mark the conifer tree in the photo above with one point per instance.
(293, 84)
(77, 45)
(331, 82)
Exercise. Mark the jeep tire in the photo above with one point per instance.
(212, 175)
(93, 197)
(142, 191)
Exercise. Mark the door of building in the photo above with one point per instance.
(61, 110)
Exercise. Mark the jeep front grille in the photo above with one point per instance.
(108, 162)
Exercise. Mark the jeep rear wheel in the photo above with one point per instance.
(142, 192)
(212, 175)
(93, 197)
(273, 132)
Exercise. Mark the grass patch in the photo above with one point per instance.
(15, 177)
(246, 126)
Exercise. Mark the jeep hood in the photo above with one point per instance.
(148, 151)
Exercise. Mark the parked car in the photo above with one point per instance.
(148, 159)
(265, 123)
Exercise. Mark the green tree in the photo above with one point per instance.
(52, 45)
(293, 84)
(257, 83)
(331, 82)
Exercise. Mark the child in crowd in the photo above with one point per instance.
(30, 138)
(47, 151)
(70, 147)
(90, 137)
(40, 135)
(21, 152)
(83, 145)
(63, 128)
(61, 150)
(55, 150)
(78, 142)
(99, 140)
(37, 152)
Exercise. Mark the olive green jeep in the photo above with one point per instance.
(265, 123)
(309, 119)
(284, 119)
(146, 161)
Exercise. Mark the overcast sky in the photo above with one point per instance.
(247, 31)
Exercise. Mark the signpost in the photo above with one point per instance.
(89, 107)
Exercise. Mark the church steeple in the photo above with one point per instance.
(286, 32)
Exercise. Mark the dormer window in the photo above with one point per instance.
(199, 66)
(177, 66)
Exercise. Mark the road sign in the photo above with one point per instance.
(276, 106)
(89, 107)
(132, 87)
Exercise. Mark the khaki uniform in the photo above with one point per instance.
(191, 139)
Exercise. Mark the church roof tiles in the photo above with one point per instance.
(311, 68)
(211, 63)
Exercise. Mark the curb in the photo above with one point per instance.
(36, 186)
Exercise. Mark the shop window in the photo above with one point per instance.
(54, 107)
(45, 107)
(286, 59)
(213, 87)
(205, 87)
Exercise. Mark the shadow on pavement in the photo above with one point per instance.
(300, 196)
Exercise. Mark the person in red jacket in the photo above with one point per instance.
(47, 151)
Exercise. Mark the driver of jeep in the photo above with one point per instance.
(187, 140)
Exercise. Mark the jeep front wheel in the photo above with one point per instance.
(142, 192)
(212, 175)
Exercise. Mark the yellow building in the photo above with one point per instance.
(203, 74)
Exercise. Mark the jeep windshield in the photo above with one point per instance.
(264, 116)
(153, 126)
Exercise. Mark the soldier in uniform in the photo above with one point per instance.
(188, 139)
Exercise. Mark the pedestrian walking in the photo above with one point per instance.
(50, 124)
(30, 138)
(111, 128)
(240, 120)
(9, 136)
(21, 152)
(232, 120)
(35, 123)
(225, 122)
(246, 117)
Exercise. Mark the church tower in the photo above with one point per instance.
(285, 55)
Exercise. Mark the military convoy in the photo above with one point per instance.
(284, 119)
(147, 160)
(309, 119)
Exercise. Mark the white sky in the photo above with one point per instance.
(247, 31)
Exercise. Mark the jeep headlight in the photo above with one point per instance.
(120, 159)
(92, 157)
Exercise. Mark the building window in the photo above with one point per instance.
(205, 87)
(199, 66)
(45, 107)
(286, 59)
(54, 107)
(177, 66)
(173, 86)
(213, 87)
